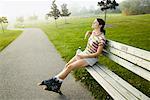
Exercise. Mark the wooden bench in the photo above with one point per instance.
(131, 58)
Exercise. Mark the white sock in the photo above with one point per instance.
(61, 80)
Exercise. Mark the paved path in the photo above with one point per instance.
(30, 59)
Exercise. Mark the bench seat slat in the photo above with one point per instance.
(127, 94)
(126, 85)
(114, 93)
(129, 49)
(134, 59)
(134, 68)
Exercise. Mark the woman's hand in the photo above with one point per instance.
(81, 56)
(87, 33)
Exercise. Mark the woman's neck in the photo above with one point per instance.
(98, 32)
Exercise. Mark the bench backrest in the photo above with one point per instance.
(134, 59)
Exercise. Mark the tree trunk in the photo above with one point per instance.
(56, 23)
(105, 15)
(2, 27)
(105, 12)
(65, 20)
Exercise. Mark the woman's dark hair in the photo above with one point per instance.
(101, 22)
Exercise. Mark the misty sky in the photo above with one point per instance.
(16, 8)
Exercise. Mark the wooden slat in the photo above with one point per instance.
(134, 59)
(134, 68)
(114, 93)
(129, 49)
(126, 85)
(127, 94)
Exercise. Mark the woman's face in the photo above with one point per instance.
(95, 24)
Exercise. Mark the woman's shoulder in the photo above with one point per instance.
(101, 38)
(101, 35)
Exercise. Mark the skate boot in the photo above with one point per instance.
(54, 86)
(45, 82)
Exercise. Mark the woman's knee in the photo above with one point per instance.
(71, 61)
(68, 64)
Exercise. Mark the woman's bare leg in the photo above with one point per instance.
(71, 61)
(75, 58)
(77, 64)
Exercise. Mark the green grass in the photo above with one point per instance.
(7, 37)
(131, 30)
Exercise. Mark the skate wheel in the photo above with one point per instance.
(45, 87)
(60, 92)
(39, 84)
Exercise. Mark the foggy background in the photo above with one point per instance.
(16, 8)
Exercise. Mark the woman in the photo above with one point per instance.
(89, 56)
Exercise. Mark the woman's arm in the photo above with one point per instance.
(99, 51)
(88, 33)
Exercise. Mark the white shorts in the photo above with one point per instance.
(90, 61)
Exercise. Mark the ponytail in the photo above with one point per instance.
(102, 30)
(101, 22)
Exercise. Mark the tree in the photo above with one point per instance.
(83, 11)
(107, 4)
(64, 11)
(146, 6)
(91, 10)
(54, 12)
(20, 19)
(97, 11)
(33, 17)
(134, 7)
(3, 20)
(46, 17)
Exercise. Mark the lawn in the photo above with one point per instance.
(130, 30)
(7, 37)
